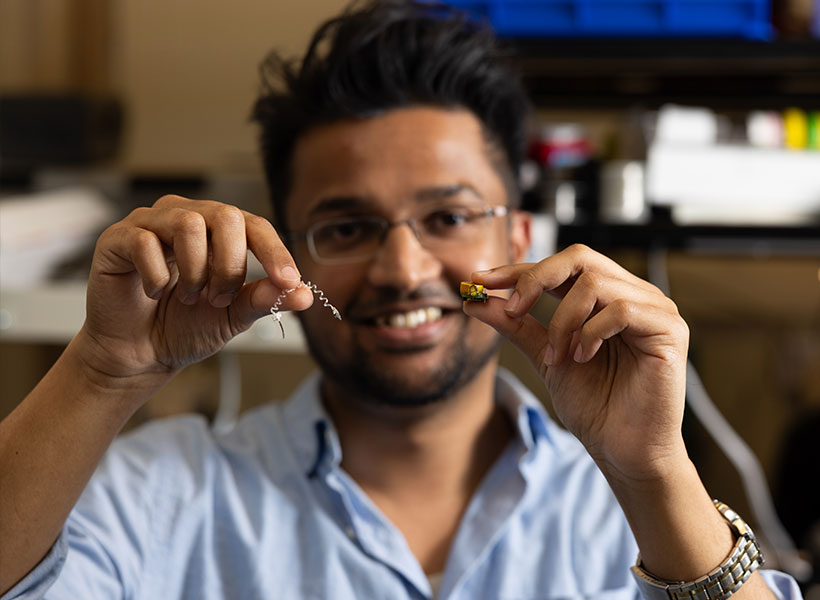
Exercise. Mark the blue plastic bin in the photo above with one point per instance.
(620, 18)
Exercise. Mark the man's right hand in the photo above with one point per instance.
(167, 286)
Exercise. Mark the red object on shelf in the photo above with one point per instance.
(560, 146)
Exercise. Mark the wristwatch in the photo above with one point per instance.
(720, 583)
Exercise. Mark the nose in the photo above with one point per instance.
(402, 262)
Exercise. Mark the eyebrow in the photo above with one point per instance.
(339, 204)
(447, 191)
(333, 204)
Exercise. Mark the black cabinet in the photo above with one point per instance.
(620, 73)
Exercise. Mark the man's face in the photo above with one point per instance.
(403, 338)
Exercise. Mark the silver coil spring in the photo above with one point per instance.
(277, 316)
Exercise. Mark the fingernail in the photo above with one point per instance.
(290, 274)
(549, 355)
(579, 352)
(482, 272)
(512, 303)
(190, 298)
(222, 300)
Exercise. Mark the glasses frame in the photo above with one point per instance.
(489, 212)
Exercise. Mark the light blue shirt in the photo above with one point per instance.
(265, 511)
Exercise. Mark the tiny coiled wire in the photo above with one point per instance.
(277, 316)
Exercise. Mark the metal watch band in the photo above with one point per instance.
(720, 583)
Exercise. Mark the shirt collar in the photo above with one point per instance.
(527, 413)
(316, 443)
(311, 432)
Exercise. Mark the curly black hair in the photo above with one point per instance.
(383, 55)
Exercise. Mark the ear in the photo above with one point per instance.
(520, 223)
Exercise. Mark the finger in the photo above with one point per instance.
(503, 277)
(225, 229)
(186, 233)
(524, 331)
(149, 260)
(648, 329)
(229, 252)
(230, 249)
(590, 293)
(274, 257)
(555, 274)
(129, 248)
(233, 232)
(256, 299)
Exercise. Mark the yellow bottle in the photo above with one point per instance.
(795, 128)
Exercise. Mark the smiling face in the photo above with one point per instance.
(404, 339)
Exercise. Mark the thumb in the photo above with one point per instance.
(524, 331)
(256, 299)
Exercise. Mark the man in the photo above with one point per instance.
(411, 467)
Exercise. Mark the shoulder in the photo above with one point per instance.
(142, 462)
(185, 451)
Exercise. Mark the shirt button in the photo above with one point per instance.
(350, 533)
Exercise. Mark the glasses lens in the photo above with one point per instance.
(347, 238)
(454, 223)
(444, 226)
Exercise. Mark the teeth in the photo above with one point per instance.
(413, 319)
(410, 319)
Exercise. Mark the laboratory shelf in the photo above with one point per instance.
(619, 73)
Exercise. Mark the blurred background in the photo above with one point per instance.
(680, 137)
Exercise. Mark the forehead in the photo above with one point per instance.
(386, 160)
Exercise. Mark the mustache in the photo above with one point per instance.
(377, 299)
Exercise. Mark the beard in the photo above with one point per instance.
(359, 375)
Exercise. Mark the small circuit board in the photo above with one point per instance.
(473, 292)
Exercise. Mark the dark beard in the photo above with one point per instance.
(360, 378)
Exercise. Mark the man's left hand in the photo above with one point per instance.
(613, 356)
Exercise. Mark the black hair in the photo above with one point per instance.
(384, 55)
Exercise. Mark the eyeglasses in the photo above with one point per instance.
(441, 228)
